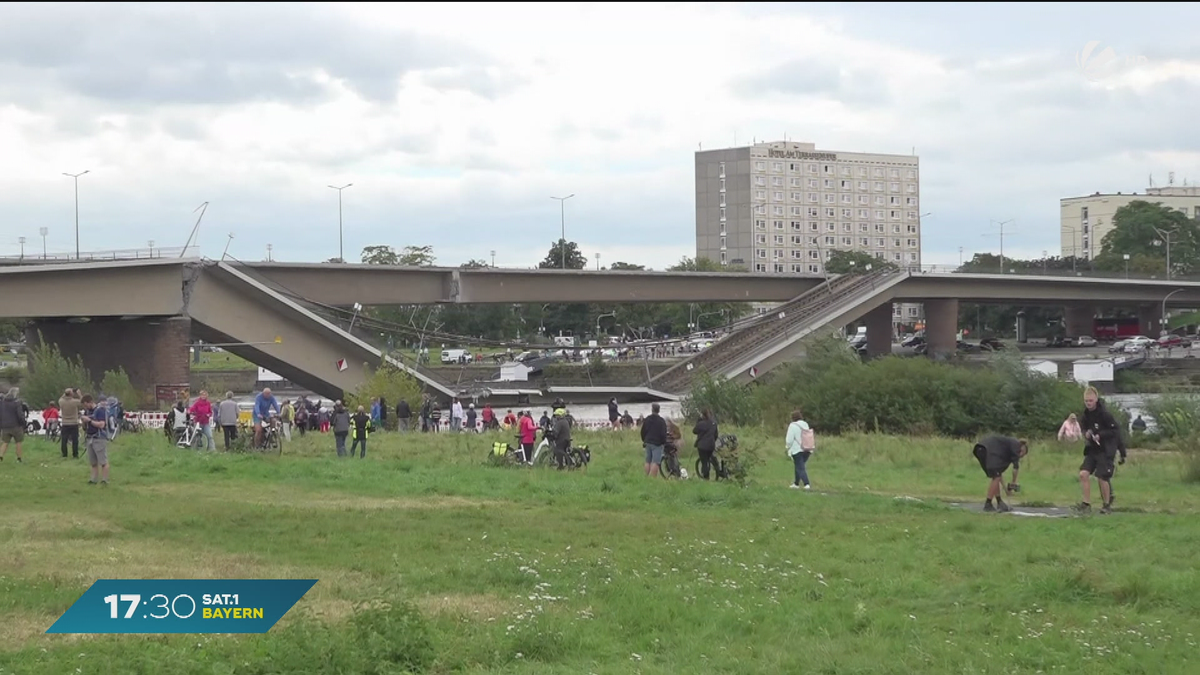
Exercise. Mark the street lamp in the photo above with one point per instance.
(597, 262)
(1126, 257)
(1045, 255)
(1166, 238)
(268, 253)
(21, 241)
(1074, 245)
(1163, 315)
(151, 245)
(493, 257)
(598, 323)
(1002, 224)
(76, 177)
(562, 201)
(341, 250)
(43, 231)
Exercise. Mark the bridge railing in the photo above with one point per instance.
(1080, 272)
(35, 258)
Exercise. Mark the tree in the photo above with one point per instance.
(856, 262)
(387, 382)
(50, 373)
(417, 256)
(554, 259)
(116, 383)
(627, 267)
(380, 255)
(474, 265)
(1136, 228)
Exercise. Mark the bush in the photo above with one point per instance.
(1189, 448)
(13, 375)
(389, 382)
(50, 373)
(116, 383)
(916, 396)
(1175, 416)
(729, 402)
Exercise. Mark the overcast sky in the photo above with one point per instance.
(457, 124)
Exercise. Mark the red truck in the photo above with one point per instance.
(1116, 328)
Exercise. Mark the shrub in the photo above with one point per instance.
(13, 375)
(116, 383)
(1175, 416)
(389, 382)
(729, 402)
(916, 396)
(1189, 449)
(50, 373)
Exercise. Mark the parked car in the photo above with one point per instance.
(1137, 344)
(1060, 341)
(1118, 346)
(913, 341)
(1085, 341)
(1173, 340)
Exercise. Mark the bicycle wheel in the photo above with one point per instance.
(576, 460)
(197, 441)
(545, 457)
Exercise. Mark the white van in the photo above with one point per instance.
(455, 356)
(564, 340)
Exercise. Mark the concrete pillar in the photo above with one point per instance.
(1149, 320)
(879, 330)
(1078, 319)
(941, 328)
(153, 351)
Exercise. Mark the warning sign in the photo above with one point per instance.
(753, 371)
(341, 365)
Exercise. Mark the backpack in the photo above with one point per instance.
(808, 440)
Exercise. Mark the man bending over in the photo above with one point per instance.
(995, 455)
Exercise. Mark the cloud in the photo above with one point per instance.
(455, 127)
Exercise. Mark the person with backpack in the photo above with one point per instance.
(995, 455)
(801, 444)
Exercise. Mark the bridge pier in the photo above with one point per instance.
(1078, 320)
(1150, 320)
(879, 330)
(152, 350)
(941, 328)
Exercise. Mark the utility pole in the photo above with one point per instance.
(341, 241)
(76, 177)
(562, 201)
(1010, 220)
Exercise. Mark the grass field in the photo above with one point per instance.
(506, 570)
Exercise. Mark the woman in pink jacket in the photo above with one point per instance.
(528, 433)
(1070, 431)
(202, 412)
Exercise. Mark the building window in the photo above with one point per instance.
(721, 170)
(879, 243)
(778, 224)
(760, 238)
(894, 187)
(912, 243)
(795, 210)
(776, 254)
(797, 255)
(828, 168)
(724, 259)
(813, 227)
(813, 183)
(722, 199)
(847, 227)
(812, 197)
(863, 185)
(878, 172)
(895, 243)
(760, 181)
(847, 241)
(779, 239)
(796, 269)
(777, 166)
(864, 242)
(814, 269)
(1083, 213)
(912, 174)
(778, 196)
(777, 181)
(912, 257)
(828, 184)
(912, 311)
(897, 312)
(879, 200)
(723, 243)
(912, 215)
(878, 186)
(759, 267)
(814, 255)
(812, 168)
(830, 212)
(760, 194)
(760, 210)
(778, 210)
(760, 253)
(760, 166)
(830, 241)
(863, 227)
(847, 213)
(796, 225)
(723, 211)
(879, 229)
(895, 173)
(910, 201)
(797, 240)
(894, 201)
(863, 213)
(846, 185)
(912, 229)
(895, 215)
(795, 182)
(830, 227)
(830, 199)
(895, 229)
(760, 224)
(845, 171)
(910, 188)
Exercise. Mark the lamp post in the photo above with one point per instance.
(1126, 257)
(1163, 315)
(1002, 224)
(597, 262)
(341, 249)
(268, 253)
(1074, 246)
(598, 323)
(493, 257)
(1166, 239)
(562, 202)
(43, 231)
(1045, 254)
(76, 177)
(960, 250)
(151, 245)
(21, 241)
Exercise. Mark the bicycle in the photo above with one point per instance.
(189, 437)
(668, 466)
(504, 453)
(576, 457)
(54, 430)
(272, 436)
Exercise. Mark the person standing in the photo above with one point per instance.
(12, 422)
(403, 415)
(227, 417)
(562, 437)
(995, 455)
(426, 411)
(360, 427)
(383, 414)
(376, 414)
(95, 419)
(68, 407)
(286, 418)
(614, 413)
(456, 415)
(1101, 435)
(801, 443)
(265, 406)
(435, 417)
(471, 425)
(529, 430)
(706, 442)
(202, 413)
(654, 439)
(341, 427)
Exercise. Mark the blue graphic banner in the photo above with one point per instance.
(182, 606)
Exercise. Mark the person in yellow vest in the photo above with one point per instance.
(360, 427)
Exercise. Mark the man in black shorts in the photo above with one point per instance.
(995, 455)
(1103, 441)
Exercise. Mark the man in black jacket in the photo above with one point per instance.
(995, 455)
(654, 439)
(1102, 436)
(403, 415)
(13, 415)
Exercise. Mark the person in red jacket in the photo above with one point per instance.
(50, 414)
(489, 418)
(528, 435)
(202, 412)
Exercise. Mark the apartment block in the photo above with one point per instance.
(1085, 220)
(784, 207)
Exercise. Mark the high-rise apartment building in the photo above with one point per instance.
(784, 207)
(1085, 220)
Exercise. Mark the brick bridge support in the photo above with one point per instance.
(153, 351)
(941, 328)
(1078, 319)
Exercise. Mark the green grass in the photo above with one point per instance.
(506, 570)
(221, 361)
